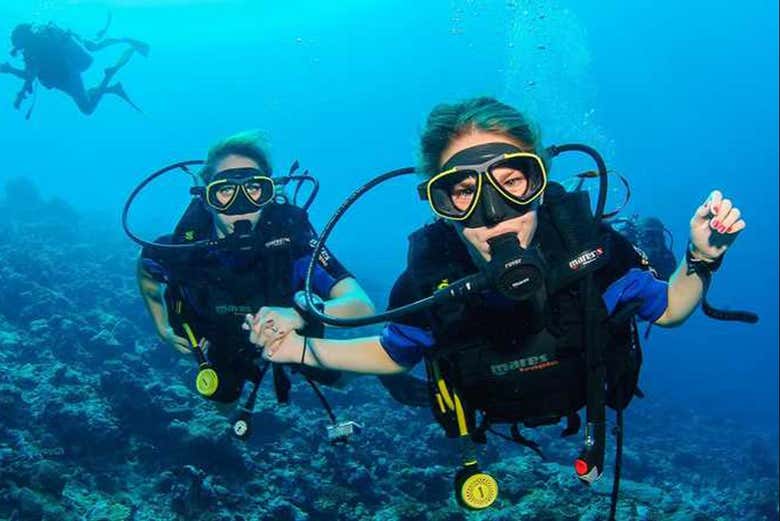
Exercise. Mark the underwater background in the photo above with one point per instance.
(100, 421)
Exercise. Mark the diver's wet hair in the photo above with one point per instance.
(447, 121)
(249, 144)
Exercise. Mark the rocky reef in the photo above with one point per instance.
(99, 421)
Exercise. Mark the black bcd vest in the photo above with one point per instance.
(518, 362)
(212, 292)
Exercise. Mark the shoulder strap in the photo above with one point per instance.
(570, 252)
(195, 223)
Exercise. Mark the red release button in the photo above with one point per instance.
(581, 467)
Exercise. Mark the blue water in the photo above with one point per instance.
(681, 99)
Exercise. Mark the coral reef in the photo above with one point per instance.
(99, 421)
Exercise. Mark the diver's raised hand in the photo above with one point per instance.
(182, 345)
(715, 226)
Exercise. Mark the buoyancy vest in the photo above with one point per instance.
(518, 362)
(58, 56)
(212, 291)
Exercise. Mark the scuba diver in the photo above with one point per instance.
(240, 245)
(519, 299)
(57, 57)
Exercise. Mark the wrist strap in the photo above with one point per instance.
(305, 344)
(704, 270)
(700, 267)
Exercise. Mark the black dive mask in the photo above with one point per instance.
(486, 184)
(234, 191)
(490, 174)
(239, 191)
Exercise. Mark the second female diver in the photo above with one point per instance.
(197, 297)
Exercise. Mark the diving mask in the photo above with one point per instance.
(515, 180)
(238, 191)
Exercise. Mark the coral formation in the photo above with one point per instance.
(99, 421)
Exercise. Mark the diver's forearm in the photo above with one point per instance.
(348, 306)
(347, 299)
(359, 355)
(157, 311)
(684, 294)
(152, 295)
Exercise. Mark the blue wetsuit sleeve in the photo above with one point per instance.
(153, 266)
(322, 279)
(406, 339)
(629, 278)
(642, 286)
(328, 271)
(155, 270)
(405, 344)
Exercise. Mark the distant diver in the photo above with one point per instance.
(653, 238)
(649, 234)
(57, 57)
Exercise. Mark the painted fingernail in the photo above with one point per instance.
(722, 229)
(715, 223)
(716, 208)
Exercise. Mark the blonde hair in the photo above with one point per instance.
(250, 144)
(450, 120)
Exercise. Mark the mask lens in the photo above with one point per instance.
(259, 190)
(454, 194)
(519, 178)
(221, 194)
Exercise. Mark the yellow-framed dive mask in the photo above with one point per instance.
(237, 191)
(515, 179)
